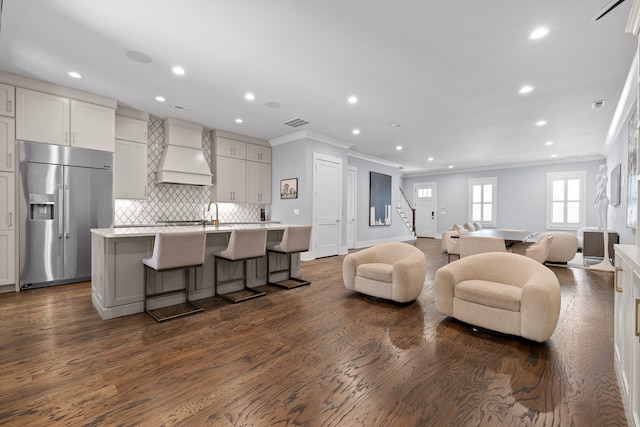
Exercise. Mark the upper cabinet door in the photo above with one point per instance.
(129, 129)
(42, 117)
(258, 153)
(230, 148)
(7, 100)
(92, 126)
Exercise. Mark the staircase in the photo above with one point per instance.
(407, 213)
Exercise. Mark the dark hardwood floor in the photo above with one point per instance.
(318, 355)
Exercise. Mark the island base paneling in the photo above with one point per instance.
(118, 274)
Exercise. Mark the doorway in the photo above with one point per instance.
(424, 201)
(327, 204)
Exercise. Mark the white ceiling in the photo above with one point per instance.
(447, 72)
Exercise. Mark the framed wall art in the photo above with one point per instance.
(379, 199)
(289, 188)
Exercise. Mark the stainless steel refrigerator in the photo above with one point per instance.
(64, 192)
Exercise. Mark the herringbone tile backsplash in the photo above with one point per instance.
(172, 202)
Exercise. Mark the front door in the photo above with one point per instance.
(424, 200)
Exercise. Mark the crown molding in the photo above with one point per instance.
(358, 155)
(306, 134)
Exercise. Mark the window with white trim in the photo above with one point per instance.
(566, 199)
(483, 201)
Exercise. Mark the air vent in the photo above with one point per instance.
(597, 104)
(295, 122)
(180, 107)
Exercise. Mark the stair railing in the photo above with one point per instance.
(405, 207)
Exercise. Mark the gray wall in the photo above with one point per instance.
(618, 154)
(365, 234)
(521, 194)
(295, 160)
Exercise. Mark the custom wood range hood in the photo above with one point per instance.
(183, 161)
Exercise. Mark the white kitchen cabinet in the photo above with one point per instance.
(92, 126)
(7, 228)
(7, 144)
(130, 129)
(7, 100)
(258, 182)
(627, 328)
(231, 179)
(42, 117)
(130, 170)
(52, 119)
(7, 257)
(230, 148)
(7, 201)
(258, 153)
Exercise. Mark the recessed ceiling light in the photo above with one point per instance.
(238, 120)
(553, 156)
(450, 166)
(249, 96)
(548, 143)
(356, 131)
(395, 125)
(160, 98)
(541, 123)
(178, 71)
(430, 159)
(352, 99)
(75, 75)
(398, 147)
(525, 89)
(538, 33)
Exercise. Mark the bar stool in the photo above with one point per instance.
(174, 251)
(295, 239)
(244, 244)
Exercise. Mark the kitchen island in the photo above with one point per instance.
(117, 274)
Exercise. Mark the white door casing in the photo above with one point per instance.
(351, 187)
(327, 204)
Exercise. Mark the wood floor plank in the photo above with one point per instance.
(317, 355)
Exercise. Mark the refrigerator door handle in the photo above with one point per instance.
(67, 213)
(60, 202)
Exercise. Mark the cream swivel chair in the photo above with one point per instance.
(504, 292)
(540, 249)
(393, 271)
(173, 251)
(295, 239)
(244, 244)
(471, 245)
(452, 244)
(563, 247)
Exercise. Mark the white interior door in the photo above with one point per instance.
(327, 204)
(424, 201)
(351, 207)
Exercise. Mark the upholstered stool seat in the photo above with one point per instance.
(295, 239)
(563, 248)
(244, 244)
(393, 271)
(173, 251)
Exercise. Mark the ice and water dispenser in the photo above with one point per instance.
(41, 207)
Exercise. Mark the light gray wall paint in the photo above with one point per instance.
(619, 154)
(367, 235)
(521, 194)
(295, 160)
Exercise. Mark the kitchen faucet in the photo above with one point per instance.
(216, 222)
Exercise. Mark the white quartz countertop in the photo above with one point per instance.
(151, 231)
(631, 253)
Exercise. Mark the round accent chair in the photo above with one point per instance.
(393, 271)
(500, 291)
